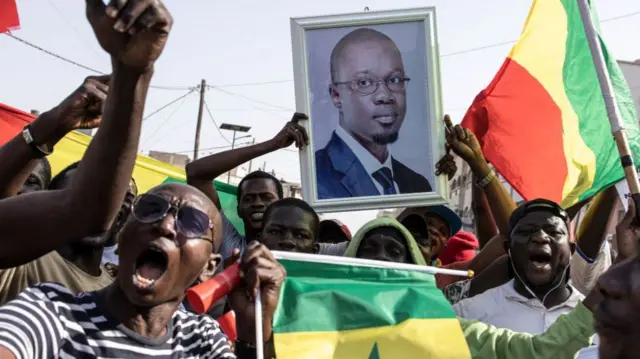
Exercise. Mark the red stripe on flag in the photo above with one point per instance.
(9, 19)
(12, 121)
(519, 127)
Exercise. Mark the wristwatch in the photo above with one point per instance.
(28, 138)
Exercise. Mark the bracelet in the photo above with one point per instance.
(486, 180)
(28, 138)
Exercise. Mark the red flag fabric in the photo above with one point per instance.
(12, 121)
(9, 19)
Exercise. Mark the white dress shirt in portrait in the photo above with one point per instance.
(369, 162)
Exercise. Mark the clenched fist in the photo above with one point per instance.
(133, 32)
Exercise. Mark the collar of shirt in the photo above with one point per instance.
(369, 162)
(510, 293)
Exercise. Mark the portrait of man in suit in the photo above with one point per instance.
(368, 89)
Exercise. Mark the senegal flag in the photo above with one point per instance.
(542, 122)
(355, 312)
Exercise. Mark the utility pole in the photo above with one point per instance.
(196, 145)
(251, 161)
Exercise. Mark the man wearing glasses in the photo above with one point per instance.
(368, 87)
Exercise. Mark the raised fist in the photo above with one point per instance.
(133, 32)
(83, 108)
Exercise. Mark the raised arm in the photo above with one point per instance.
(464, 143)
(134, 35)
(202, 172)
(81, 110)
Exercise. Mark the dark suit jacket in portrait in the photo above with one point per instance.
(339, 174)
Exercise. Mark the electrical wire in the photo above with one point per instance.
(214, 148)
(279, 108)
(59, 57)
(184, 98)
(254, 83)
(169, 104)
(215, 124)
(504, 43)
(64, 18)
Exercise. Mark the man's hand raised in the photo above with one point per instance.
(463, 143)
(293, 132)
(133, 32)
(83, 108)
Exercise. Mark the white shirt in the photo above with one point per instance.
(503, 307)
(369, 162)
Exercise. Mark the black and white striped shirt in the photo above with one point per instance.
(48, 321)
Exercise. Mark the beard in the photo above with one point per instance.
(385, 138)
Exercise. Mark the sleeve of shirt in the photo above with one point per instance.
(570, 333)
(586, 271)
(333, 249)
(30, 327)
(231, 239)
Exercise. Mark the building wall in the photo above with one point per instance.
(175, 159)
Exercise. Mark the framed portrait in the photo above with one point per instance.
(370, 83)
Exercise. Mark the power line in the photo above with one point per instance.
(54, 55)
(254, 83)
(184, 98)
(214, 148)
(621, 16)
(64, 18)
(279, 108)
(480, 48)
(59, 57)
(169, 104)
(215, 124)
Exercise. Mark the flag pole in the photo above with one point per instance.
(318, 258)
(259, 337)
(615, 119)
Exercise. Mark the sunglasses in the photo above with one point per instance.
(190, 222)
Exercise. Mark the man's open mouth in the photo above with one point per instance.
(257, 216)
(150, 266)
(540, 259)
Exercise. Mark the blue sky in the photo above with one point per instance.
(234, 43)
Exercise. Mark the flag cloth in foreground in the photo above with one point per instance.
(352, 312)
(148, 172)
(542, 122)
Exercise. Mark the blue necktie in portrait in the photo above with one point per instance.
(385, 178)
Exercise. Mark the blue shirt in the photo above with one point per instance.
(231, 239)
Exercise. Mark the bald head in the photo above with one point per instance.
(355, 37)
(190, 195)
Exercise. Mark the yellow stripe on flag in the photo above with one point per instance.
(147, 172)
(413, 338)
(546, 33)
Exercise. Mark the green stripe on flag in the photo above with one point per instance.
(336, 297)
(228, 201)
(583, 89)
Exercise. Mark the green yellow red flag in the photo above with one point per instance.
(355, 312)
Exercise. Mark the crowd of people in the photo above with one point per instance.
(91, 268)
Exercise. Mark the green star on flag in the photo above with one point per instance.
(374, 352)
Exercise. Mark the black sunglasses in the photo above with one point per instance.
(190, 222)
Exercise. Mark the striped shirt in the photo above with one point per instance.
(48, 321)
